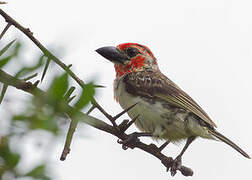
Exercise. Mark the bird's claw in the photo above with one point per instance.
(176, 165)
(127, 143)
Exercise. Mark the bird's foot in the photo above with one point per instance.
(128, 142)
(176, 165)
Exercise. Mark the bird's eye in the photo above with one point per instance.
(132, 52)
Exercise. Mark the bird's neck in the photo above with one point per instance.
(138, 66)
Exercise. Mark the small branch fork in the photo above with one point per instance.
(132, 141)
(127, 140)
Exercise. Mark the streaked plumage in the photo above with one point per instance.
(164, 109)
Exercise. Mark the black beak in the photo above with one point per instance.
(113, 54)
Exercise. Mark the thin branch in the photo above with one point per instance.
(30, 77)
(4, 89)
(45, 68)
(91, 109)
(108, 116)
(71, 130)
(5, 29)
(127, 125)
(94, 122)
(163, 146)
(71, 98)
(69, 92)
(123, 112)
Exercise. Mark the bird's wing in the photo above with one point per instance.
(157, 86)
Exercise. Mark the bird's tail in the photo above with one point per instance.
(229, 142)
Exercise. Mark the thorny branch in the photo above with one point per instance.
(47, 53)
(76, 116)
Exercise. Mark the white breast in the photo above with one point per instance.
(150, 119)
(151, 116)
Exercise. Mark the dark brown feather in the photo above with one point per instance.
(156, 86)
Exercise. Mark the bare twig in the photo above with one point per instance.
(71, 130)
(163, 146)
(108, 116)
(5, 29)
(4, 89)
(126, 126)
(45, 68)
(123, 112)
(30, 77)
(91, 109)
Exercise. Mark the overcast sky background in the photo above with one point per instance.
(203, 46)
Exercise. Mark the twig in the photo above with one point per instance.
(68, 93)
(163, 146)
(94, 122)
(126, 126)
(30, 77)
(71, 130)
(5, 29)
(91, 109)
(108, 116)
(4, 89)
(123, 112)
(69, 138)
(71, 98)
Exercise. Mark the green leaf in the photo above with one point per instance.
(86, 96)
(11, 159)
(16, 49)
(59, 86)
(47, 123)
(6, 47)
(45, 69)
(38, 172)
(20, 117)
(4, 61)
(39, 120)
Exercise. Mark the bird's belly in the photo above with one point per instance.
(153, 117)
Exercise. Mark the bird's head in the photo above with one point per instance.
(129, 57)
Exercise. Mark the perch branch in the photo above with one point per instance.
(94, 122)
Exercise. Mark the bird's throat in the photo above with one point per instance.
(136, 64)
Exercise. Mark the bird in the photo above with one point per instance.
(162, 108)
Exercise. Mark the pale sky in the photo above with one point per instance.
(203, 46)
